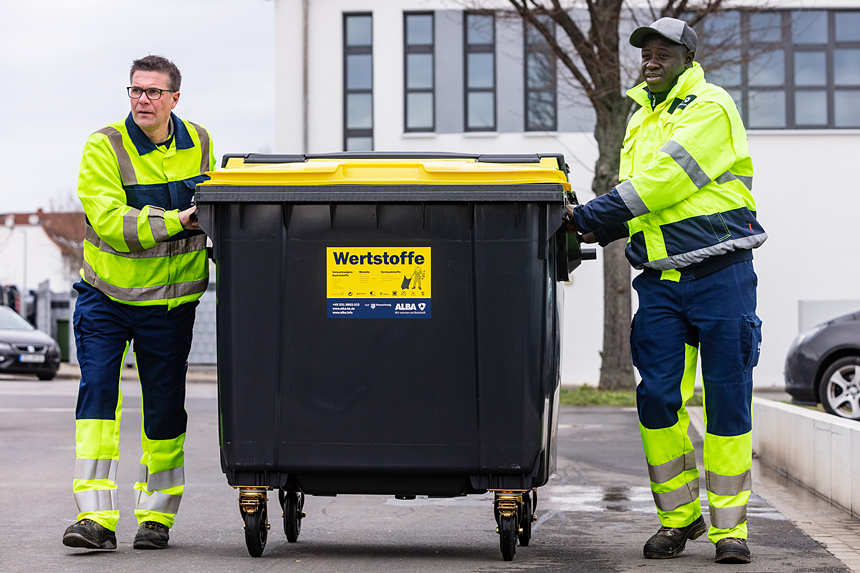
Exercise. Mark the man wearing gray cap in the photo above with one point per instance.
(685, 204)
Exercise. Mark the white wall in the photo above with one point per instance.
(808, 198)
(288, 77)
(819, 450)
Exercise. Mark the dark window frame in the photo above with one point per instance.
(790, 49)
(356, 50)
(539, 48)
(419, 49)
(476, 49)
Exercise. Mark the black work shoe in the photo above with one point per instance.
(151, 535)
(669, 541)
(732, 550)
(90, 535)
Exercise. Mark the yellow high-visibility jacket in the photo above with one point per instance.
(686, 181)
(136, 251)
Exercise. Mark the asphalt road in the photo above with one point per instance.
(593, 517)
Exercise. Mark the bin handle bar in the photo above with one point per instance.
(297, 158)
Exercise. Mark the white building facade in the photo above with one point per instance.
(422, 75)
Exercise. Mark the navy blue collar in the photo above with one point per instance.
(144, 145)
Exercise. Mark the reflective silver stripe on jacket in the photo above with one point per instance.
(687, 162)
(729, 176)
(126, 169)
(159, 481)
(728, 485)
(673, 468)
(631, 198)
(693, 257)
(96, 500)
(129, 230)
(157, 501)
(87, 469)
(164, 249)
(674, 499)
(204, 147)
(728, 517)
(157, 224)
(140, 294)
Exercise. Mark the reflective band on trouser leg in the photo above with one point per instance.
(97, 453)
(160, 484)
(671, 460)
(728, 460)
(157, 494)
(94, 482)
(95, 490)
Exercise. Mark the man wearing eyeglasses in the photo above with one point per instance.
(145, 267)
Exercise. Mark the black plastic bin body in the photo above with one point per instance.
(459, 402)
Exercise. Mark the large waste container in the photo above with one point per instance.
(388, 324)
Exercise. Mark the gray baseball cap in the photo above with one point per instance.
(670, 28)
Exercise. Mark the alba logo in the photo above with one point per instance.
(405, 306)
(422, 306)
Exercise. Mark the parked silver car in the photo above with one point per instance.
(25, 350)
(823, 366)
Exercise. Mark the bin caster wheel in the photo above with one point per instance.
(526, 521)
(293, 504)
(508, 536)
(256, 530)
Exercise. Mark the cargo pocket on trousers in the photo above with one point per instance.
(79, 343)
(634, 352)
(751, 340)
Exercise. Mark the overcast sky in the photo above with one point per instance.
(64, 69)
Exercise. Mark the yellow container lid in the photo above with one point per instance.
(389, 169)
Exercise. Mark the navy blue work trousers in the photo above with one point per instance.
(715, 314)
(162, 341)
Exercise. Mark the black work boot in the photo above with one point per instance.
(89, 535)
(669, 541)
(151, 535)
(732, 550)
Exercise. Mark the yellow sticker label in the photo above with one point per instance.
(378, 282)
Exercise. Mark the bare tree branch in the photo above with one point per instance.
(530, 14)
(583, 46)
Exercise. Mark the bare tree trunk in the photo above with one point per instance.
(616, 369)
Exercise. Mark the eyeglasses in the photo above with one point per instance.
(151, 93)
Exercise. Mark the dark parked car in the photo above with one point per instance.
(25, 350)
(823, 366)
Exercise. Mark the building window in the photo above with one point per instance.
(480, 71)
(418, 72)
(766, 78)
(358, 82)
(720, 53)
(540, 79)
(802, 69)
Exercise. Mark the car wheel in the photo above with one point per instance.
(839, 388)
(46, 375)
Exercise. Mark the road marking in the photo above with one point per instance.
(5, 410)
(50, 410)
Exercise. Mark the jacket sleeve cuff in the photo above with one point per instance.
(604, 211)
(171, 221)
